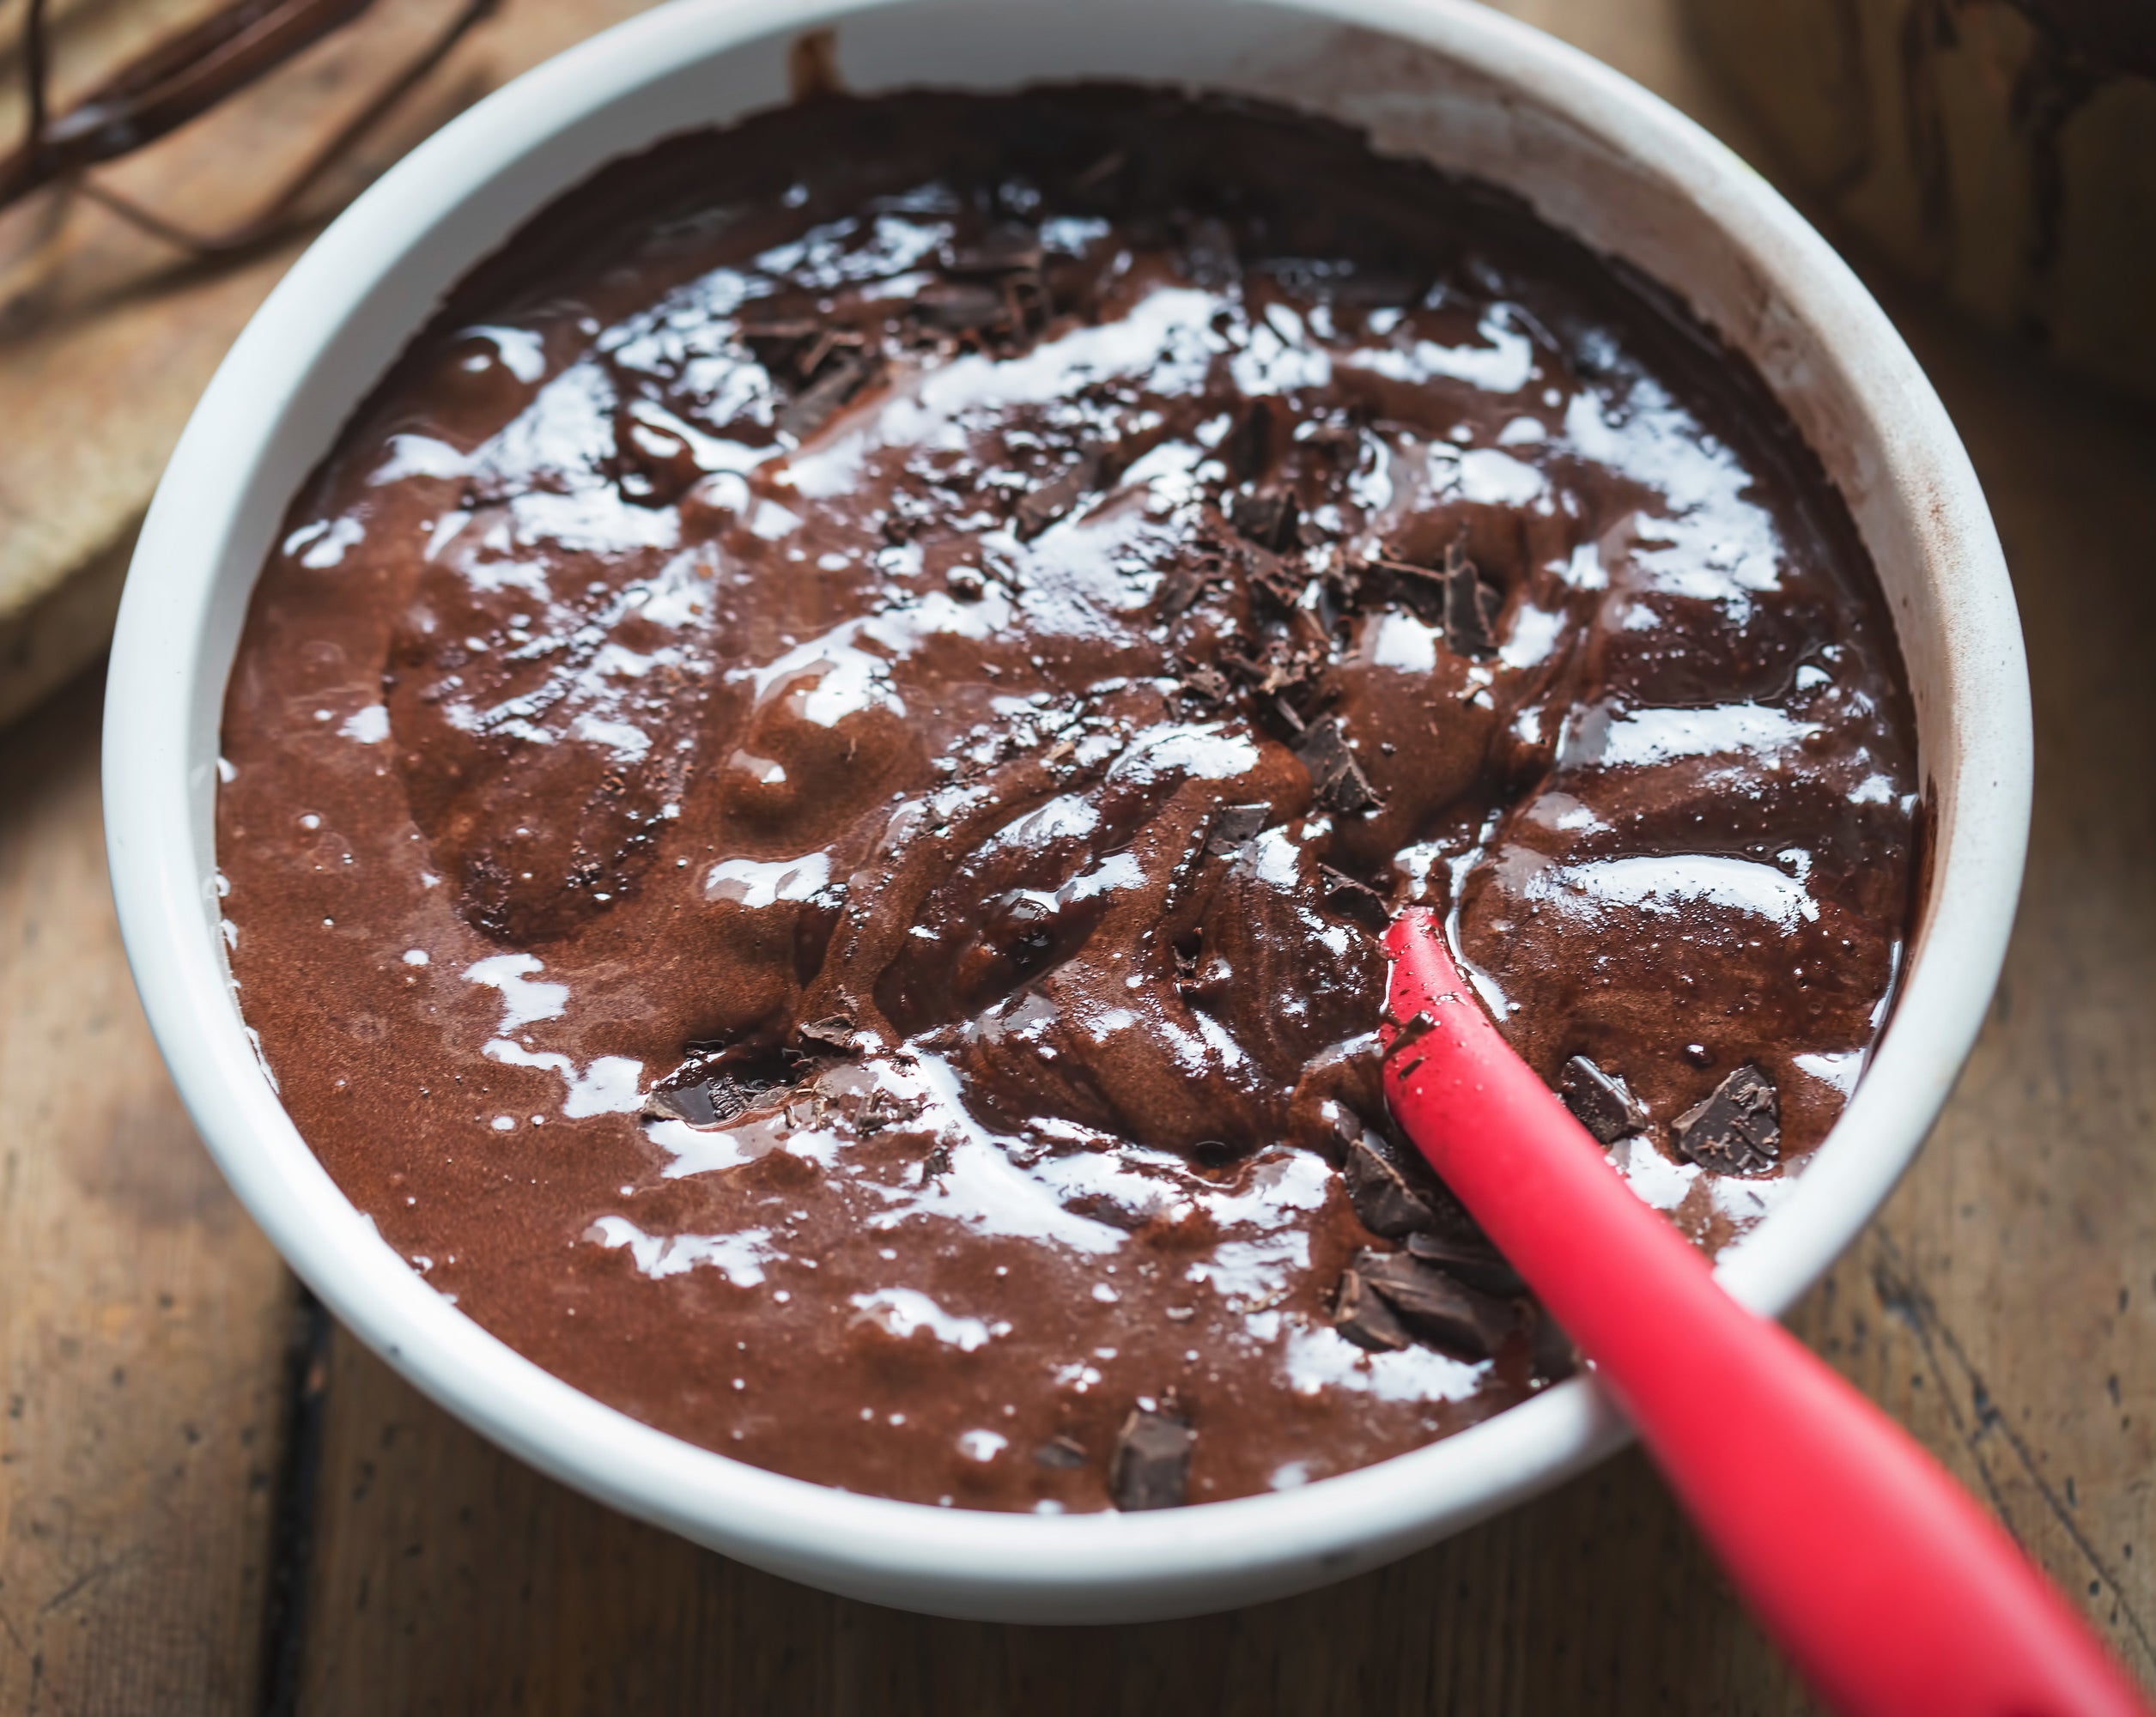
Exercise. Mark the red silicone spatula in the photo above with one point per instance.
(1896, 1595)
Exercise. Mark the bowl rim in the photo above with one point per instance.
(156, 778)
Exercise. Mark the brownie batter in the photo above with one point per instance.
(811, 791)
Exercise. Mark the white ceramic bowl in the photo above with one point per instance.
(1464, 87)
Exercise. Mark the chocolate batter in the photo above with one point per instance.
(811, 791)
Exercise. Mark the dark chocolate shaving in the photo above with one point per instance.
(1366, 1319)
(1384, 1203)
(807, 411)
(1060, 1452)
(1408, 1031)
(1274, 579)
(1356, 901)
(1551, 1351)
(1471, 608)
(1234, 826)
(1005, 249)
(1152, 1461)
(777, 343)
(961, 307)
(1180, 588)
(707, 1103)
(1441, 1311)
(1209, 252)
(1737, 1130)
(1269, 518)
(654, 466)
(1337, 776)
(1601, 1103)
(1041, 507)
(1281, 668)
(1247, 449)
(1479, 1265)
(827, 345)
(887, 1108)
(1206, 683)
(835, 1031)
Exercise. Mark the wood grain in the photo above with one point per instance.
(142, 1318)
(449, 1579)
(2003, 1306)
(108, 336)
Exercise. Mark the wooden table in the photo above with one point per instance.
(212, 1501)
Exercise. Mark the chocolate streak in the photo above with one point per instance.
(811, 789)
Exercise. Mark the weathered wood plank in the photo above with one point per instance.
(142, 1319)
(447, 1578)
(107, 337)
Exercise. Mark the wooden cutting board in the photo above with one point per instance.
(108, 336)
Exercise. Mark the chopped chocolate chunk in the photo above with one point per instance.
(777, 343)
(1737, 1130)
(1103, 170)
(1041, 507)
(1248, 448)
(1332, 436)
(1006, 248)
(805, 412)
(1475, 1262)
(1471, 608)
(1406, 1031)
(1279, 669)
(1356, 901)
(1551, 1351)
(835, 1031)
(1601, 1103)
(967, 584)
(1234, 826)
(1379, 580)
(1180, 588)
(654, 466)
(960, 306)
(1065, 1453)
(884, 1108)
(1209, 252)
(1338, 777)
(1366, 1319)
(1269, 518)
(1278, 581)
(1206, 682)
(695, 1104)
(1152, 1461)
(828, 342)
(1441, 1311)
(1384, 1203)
(706, 1102)
(1378, 287)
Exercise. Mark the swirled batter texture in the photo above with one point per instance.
(811, 789)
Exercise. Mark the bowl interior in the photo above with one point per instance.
(1450, 82)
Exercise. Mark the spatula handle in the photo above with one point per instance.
(1894, 1593)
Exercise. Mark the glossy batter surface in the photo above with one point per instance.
(809, 794)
